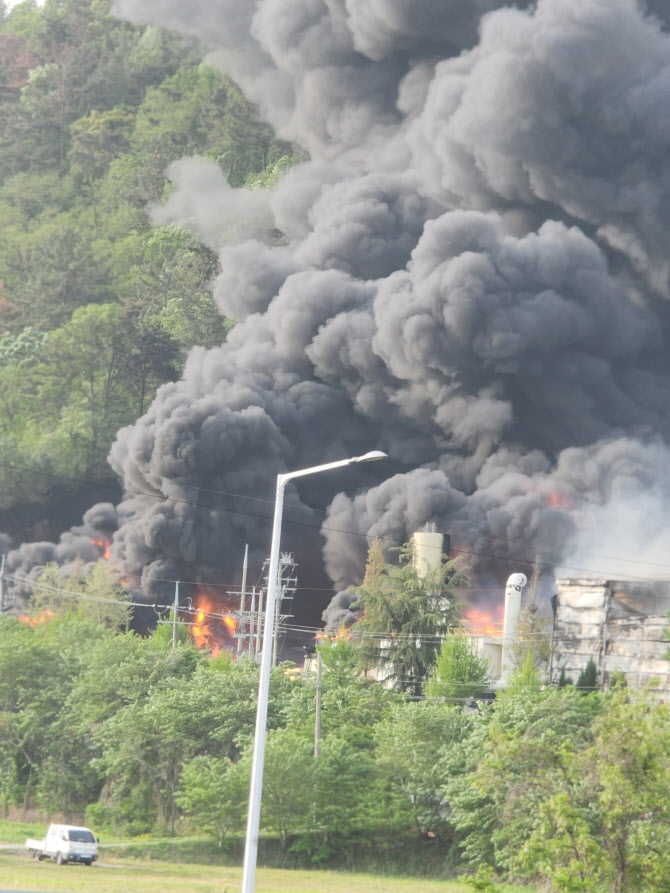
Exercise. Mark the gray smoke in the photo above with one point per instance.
(471, 275)
(78, 549)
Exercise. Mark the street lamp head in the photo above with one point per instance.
(373, 456)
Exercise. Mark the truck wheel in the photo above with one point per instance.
(37, 855)
(87, 862)
(60, 860)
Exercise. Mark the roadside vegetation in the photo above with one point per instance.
(561, 786)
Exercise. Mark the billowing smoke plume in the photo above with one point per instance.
(78, 549)
(472, 275)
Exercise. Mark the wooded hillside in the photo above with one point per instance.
(97, 305)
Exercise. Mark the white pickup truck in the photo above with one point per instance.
(65, 843)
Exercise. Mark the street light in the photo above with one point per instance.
(254, 817)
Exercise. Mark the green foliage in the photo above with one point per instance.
(483, 880)
(551, 786)
(212, 796)
(525, 679)
(66, 395)
(21, 350)
(273, 173)
(339, 657)
(588, 678)
(563, 679)
(97, 140)
(404, 618)
(92, 111)
(95, 596)
(163, 633)
(342, 797)
(459, 672)
(409, 740)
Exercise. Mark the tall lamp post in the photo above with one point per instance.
(254, 816)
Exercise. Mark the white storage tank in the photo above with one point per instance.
(428, 546)
(513, 590)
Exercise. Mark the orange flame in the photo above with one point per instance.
(37, 618)
(556, 499)
(105, 545)
(200, 630)
(484, 623)
(230, 624)
(210, 630)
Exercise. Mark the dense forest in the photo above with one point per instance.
(99, 306)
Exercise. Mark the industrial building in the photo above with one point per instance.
(619, 625)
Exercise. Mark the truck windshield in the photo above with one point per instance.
(80, 835)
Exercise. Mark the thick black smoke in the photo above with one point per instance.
(78, 548)
(472, 275)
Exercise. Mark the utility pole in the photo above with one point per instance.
(6, 598)
(280, 596)
(174, 621)
(286, 586)
(174, 615)
(317, 721)
(252, 645)
(260, 622)
(240, 641)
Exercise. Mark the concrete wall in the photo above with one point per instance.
(620, 625)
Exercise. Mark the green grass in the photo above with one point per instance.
(16, 832)
(115, 875)
(119, 871)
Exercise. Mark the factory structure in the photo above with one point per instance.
(618, 625)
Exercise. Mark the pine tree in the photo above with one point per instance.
(405, 616)
(588, 678)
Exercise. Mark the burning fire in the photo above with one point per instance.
(105, 546)
(211, 629)
(229, 623)
(556, 499)
(37, 618)
(484, 623)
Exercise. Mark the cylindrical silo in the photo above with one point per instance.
(428, 546)
(513, 590)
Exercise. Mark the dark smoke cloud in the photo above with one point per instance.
(566, 107)
(471, 274)
(78, 548)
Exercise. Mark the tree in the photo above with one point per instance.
(532, 628)
(516, 758)
(96, 140)
(39, 665)
(213, 796)
(405, 617)
(96, 595)
(288, 783)
(588, 678)
(169, 286)
(344, 795)
(459, 672)
(606, 823)
(339, 658)
(407, 758)
(563, 679)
